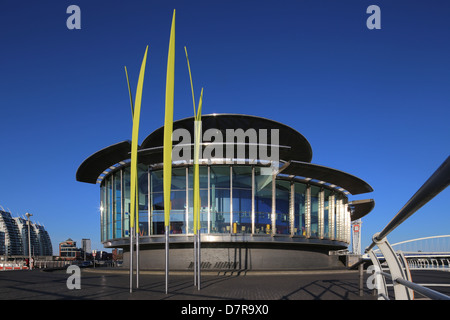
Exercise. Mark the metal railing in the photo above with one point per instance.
(398, 266)
(425, 263)
(432, 294)
(54, 264)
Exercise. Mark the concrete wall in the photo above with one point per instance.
(238, 257)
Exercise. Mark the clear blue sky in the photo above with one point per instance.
(373, 103)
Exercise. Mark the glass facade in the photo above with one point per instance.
(234, 199)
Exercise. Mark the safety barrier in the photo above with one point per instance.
(429, 264)
(12, 266)
(21, 265)
(54, 264)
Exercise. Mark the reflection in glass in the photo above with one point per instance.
(242, 199)
(118, 204)
(220, 199)
(263, 202)
(157, 202)
(103, 210)
(232, 198)
(283, 192)
(109, 206)
(203, 177)
(178, 201)
(143, 200)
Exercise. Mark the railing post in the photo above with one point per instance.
(395, 268)
(379, 280)
(361, 279)
(407, 272)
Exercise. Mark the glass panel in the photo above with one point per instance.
(314, 211)
(117, 205)
(126, 201)
(242, 199)
(220, 199)
(299, 209)
(263, 202)
(203, 175)
(109, 207)
(178, 201)
(191, 200)
(204, 199)
(283, 191)
(143, 199)
(103, 210)
(157, 205)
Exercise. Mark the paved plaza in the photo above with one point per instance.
(109, 284)
(113, 284)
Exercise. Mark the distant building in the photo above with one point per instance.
(45, 244)
(22, 226)
(2, 243)
(86, 245)
(14, 237)
(13, 240)
(68, 250)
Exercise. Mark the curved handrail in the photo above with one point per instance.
(432, 187)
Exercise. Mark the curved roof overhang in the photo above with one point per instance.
(360, 208)
(292, 145)
(96, 164)
(352, 184)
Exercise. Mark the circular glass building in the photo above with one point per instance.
(264, 205)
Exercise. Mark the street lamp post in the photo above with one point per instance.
(29, 240)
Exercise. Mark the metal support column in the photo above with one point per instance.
(199, 263)
(274, 204)
(332, 216)
(292, 210)
(253, 199)
(131, 258)
(167, 258)
(321, 213)
(231, 199)
(308, 211)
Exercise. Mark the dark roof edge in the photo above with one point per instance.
(349, 182)
(91, 168)
(361, 208)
